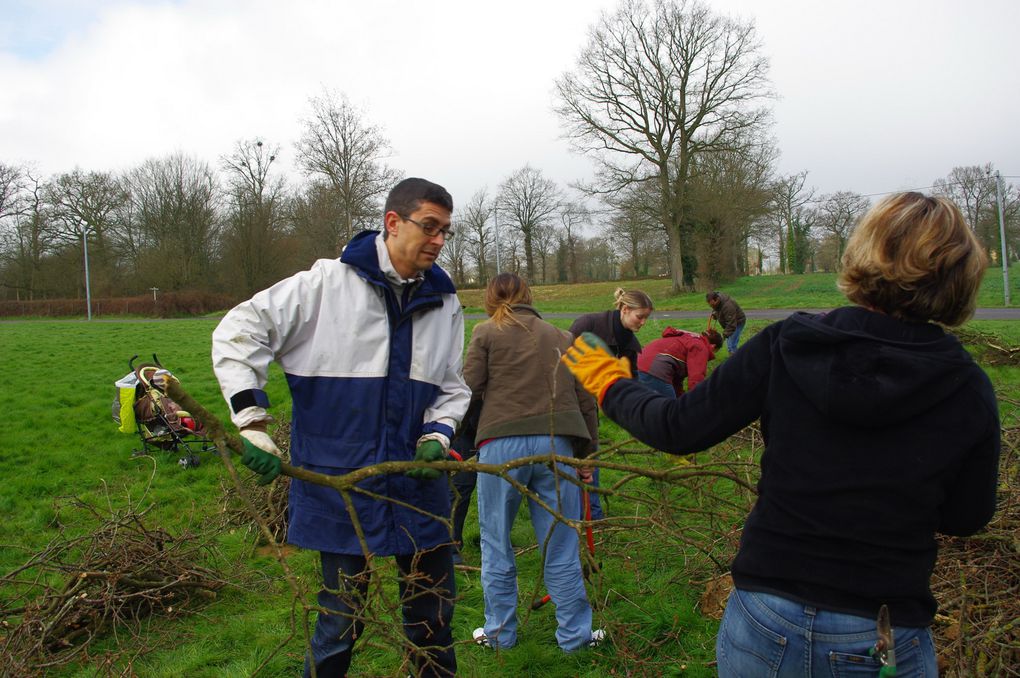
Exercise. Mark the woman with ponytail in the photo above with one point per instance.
(530, 405)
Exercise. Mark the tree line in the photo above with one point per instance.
(668, 99)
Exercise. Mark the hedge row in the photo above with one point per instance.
(166, 305)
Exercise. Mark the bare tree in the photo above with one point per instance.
(340, 147)
(454, 256)
(789, 200)
(12, 184)
(316, 220)
(574, 216)
(837, 214)
(634, 223)
(85, 205)
(729, 195)
(174, 202)
(600, 259)
(25, 239)
(529, 200)
(254, 231)
(655, 87)
(473, 223)
(973, 189)
(545, 239)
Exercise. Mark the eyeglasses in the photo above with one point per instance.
(431, 230)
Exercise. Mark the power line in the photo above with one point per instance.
(908, 190)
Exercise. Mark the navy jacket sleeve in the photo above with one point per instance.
(730, 399)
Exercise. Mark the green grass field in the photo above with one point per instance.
(813, 290)
(58, 440)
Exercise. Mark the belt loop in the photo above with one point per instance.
(810, 610)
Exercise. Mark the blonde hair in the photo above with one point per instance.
(915, 258)
(502, 292)
(633, 299)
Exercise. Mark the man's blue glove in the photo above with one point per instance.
(261, 455)
(427, 450)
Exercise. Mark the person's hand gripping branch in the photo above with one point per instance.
(431, 447)
(261, 454)
(590, 361)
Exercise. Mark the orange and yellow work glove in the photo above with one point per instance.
(590, 361)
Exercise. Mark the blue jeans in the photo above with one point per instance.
(427, 608)
(768, 636)
(498, 502)
(731, 341)
(656, 384)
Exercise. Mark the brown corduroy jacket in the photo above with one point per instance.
(516, 371)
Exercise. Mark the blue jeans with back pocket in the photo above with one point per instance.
(768, 636)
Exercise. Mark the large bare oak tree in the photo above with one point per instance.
(657, 85)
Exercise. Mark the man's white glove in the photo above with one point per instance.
(261, 454)
(251, 415)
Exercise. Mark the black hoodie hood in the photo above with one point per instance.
(870, 369)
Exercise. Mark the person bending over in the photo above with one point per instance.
(665, 363)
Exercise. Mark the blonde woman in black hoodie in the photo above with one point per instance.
(880, 431)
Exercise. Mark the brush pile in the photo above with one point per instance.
(977, 584)
(269, 501)
(79, 588)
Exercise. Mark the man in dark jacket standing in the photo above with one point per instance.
(729, 315)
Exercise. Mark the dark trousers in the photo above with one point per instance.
(594, 498)
(427, 607)
(460, 498)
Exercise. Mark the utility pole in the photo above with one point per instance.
(1002, 238)
(85, 251)
(495, 214)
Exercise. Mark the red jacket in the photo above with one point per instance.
(676, 355)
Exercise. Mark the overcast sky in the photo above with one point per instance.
(874, 95)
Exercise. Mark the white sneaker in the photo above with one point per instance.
(597, 636)
(479, 636)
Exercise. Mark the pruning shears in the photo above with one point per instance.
(885, 648)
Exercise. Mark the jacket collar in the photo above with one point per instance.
(525, 308)
(364, 252)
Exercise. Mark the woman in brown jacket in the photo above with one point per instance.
(531, 405)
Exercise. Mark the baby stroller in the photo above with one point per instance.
(144, 407)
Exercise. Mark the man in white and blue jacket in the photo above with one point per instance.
(371, 346)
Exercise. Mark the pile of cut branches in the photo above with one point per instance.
(989, 349)
(269, 502)
(977, 585)
(79, 587)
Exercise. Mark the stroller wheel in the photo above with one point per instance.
(189, 461)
